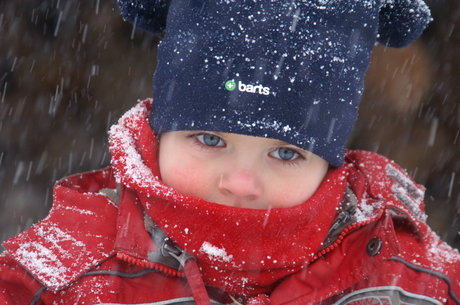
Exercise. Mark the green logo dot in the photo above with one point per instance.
(230, 85)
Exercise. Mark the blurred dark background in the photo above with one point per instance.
(70, 68)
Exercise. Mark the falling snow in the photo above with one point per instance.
(59, 94)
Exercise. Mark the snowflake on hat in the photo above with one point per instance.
(287, 70)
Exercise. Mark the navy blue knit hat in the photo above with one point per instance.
(282, 69)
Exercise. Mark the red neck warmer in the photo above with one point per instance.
(242, 251)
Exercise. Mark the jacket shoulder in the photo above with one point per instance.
(77, 235)
(421, 249)
(389, 182)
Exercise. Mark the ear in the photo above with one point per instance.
(148, 15)
(402, 21)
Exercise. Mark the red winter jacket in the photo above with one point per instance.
(98, 247)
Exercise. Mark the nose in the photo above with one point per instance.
(240, 185)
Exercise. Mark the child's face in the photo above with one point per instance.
(237, 170)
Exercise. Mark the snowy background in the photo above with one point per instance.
(69, 69)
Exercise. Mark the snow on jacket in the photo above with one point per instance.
(120, 236)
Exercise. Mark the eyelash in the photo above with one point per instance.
(202, 145)
(291, 163)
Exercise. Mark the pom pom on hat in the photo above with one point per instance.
(402, 21)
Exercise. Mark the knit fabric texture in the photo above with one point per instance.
(288, 70)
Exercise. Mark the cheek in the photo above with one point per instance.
(184, 176)
(286, 196)
(296, 189)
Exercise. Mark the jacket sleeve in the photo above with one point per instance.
(17, 286)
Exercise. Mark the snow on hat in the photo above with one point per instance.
(288, 70)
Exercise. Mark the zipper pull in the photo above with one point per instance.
(180, 255)
(192, 272)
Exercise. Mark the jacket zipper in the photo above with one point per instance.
(188, 264)
(344, 232)
(149, 265)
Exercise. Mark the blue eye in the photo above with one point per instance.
(284, 154)
(210, 140)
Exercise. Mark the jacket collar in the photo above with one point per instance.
(76, 235)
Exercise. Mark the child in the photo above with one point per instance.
(232, 185)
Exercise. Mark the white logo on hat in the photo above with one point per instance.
(230, 85)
